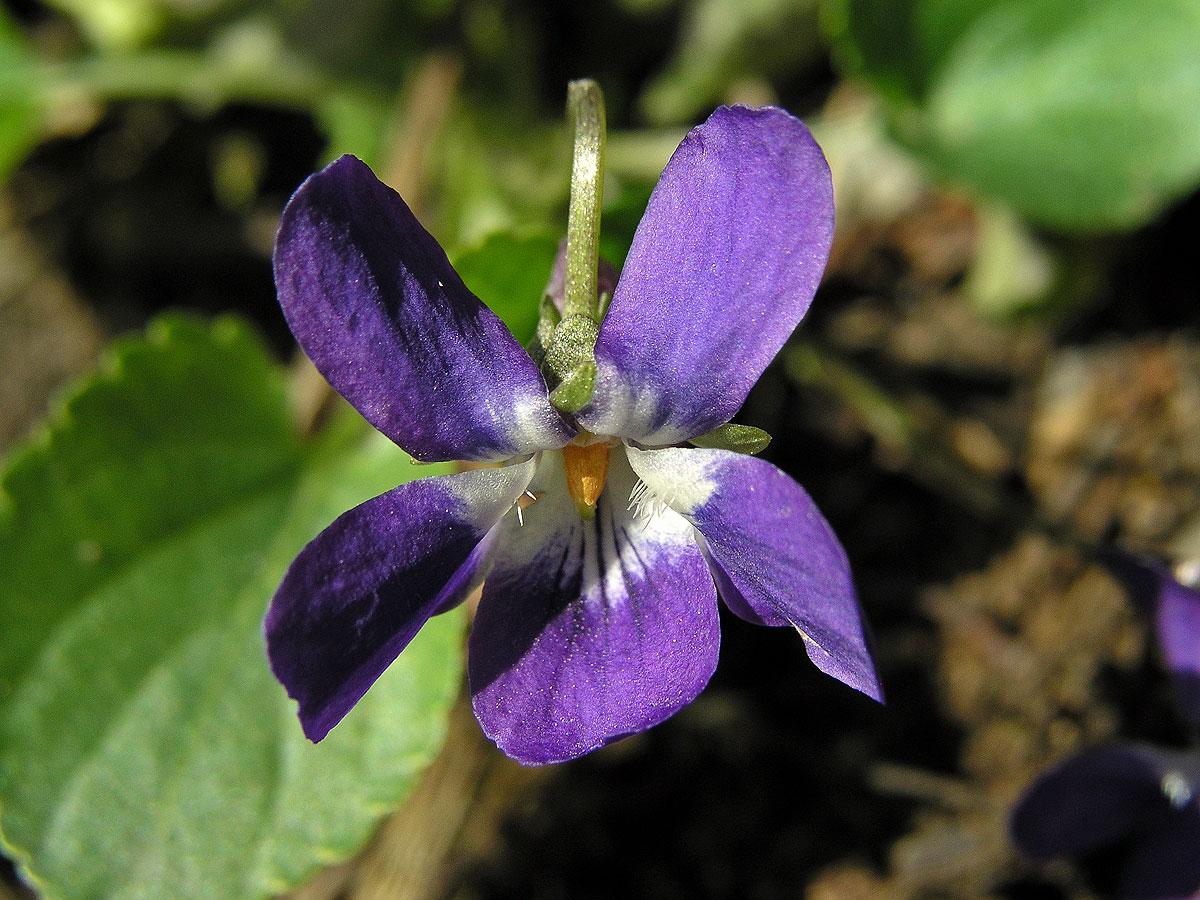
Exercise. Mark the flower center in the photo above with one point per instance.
(585, 468)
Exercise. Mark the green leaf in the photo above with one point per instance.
(354, 123)
(509, 274)
(1079, 115)
(20, 112)
(497, 170)
(145, 749)
(900, 43)
(621, 217)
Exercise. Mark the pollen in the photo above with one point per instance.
(585, 468)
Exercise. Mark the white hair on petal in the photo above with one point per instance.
(646, 504)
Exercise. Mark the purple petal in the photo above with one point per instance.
(362, 589)
(589, 631)
(373, 301)
(1176, 613)
(723, 266)
(774, 556)
(1166, 863)
(1098, 797)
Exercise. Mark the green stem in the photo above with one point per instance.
(586, 106)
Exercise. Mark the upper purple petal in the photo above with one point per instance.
(589, 631)
(723, 266)
(1175, 610)
(775, 557)
(375, 304)
(1100, 796)
(362, 589)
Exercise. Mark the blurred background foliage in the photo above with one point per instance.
(1072, 118)
(146, 149)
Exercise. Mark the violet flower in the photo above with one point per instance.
(1145, 796)
(1174, 608)
(1137, 793)
(600, 536)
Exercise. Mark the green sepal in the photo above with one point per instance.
(602, 306)
(572, 345)
(738, 438)
(549, 315)
(548, 318)
(576, 389)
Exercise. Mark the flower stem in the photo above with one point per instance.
(585, 104)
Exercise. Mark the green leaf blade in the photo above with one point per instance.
(20, 100)
(145, 749)
(509, 274)
(59, 503)
(1081, 116)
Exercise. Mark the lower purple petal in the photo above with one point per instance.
(774, 556)
(362, 589)
(590, 631)
(1166, 864)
